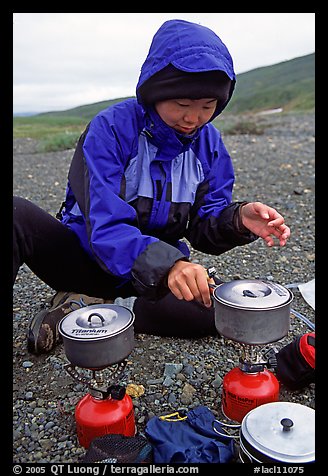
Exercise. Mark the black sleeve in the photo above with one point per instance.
(216, 235)
(151, 268)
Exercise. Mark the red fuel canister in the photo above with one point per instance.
(243, 391)
(97, 417)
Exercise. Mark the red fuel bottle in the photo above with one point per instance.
(100, 415)
(243, 391)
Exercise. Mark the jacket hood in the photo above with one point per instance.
(189, 47)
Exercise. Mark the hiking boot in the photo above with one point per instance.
(43, 334)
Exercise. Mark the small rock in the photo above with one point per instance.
(27, 364)
(172, 369)
(187, 394)
(217, 382)
(168, 381)
(49, 424)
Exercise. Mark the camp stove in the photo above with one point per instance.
(250, 384)
(252, 313)
(106, 408)
(98, 339)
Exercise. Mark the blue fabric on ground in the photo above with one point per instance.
(192, 440)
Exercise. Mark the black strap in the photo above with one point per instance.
(59, 215)
(76, 174)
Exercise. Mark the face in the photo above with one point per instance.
(186, 115)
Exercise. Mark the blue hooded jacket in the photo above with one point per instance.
(136, 187)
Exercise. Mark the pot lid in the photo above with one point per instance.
(252, 294)
(95, 322)
(283, 431)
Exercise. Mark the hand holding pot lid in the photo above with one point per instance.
(265, 222)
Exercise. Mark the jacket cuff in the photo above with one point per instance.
(232, 227)
(151, 268)
(237, 221)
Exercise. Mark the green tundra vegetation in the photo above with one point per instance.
(287, 86)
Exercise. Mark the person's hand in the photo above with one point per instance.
(265, 222)
(190, 281)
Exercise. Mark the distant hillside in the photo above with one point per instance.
(86, 112)
(289, 85)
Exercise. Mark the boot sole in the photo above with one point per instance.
(33, 332)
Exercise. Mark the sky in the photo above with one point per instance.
(64, 60)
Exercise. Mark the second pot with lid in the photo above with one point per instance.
(278, 432)
(252, 311)
(97, 336)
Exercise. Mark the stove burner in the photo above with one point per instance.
(99, 383)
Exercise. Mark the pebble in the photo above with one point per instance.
(27, 364)
(171, 369)
(175, 372)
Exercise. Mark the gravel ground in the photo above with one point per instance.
(276, 168)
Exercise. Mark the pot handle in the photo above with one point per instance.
(226, 435)
(97, 315)
(211, 273)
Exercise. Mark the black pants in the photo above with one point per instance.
(54, 254)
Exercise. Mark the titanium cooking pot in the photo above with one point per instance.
(252, 311)
(97, 336)
(278, 432)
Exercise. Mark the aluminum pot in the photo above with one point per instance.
(252, 311)
(97, 336)
(278, 432)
